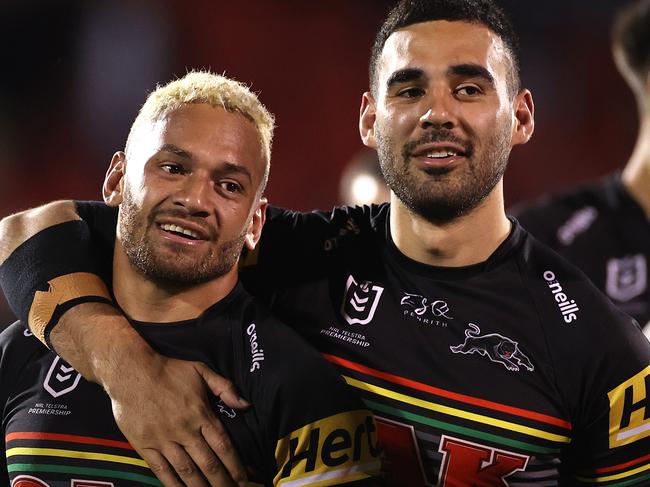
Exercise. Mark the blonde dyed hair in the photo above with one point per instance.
(215, 90)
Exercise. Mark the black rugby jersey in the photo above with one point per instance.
(305, 426)
(600, 228)
(515, 371)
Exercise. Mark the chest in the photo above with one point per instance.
(456, 371)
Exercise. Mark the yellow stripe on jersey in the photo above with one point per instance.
(62, 289)
(85, 455)
(629, 410)
(459, 413)
(330, 451)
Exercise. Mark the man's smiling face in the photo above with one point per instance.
(443, 117)
(191, 185)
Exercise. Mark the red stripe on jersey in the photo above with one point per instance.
(621, 466)
(448, 394)
(88, 440)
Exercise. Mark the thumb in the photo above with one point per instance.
(221, 387)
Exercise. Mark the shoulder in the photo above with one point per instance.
(578, 318)
(558, 219)
(346, 219)
(557, 282)
(297, 245)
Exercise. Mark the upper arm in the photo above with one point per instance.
(296, 247)
(53, 260)
(613, 430)
(16, 229)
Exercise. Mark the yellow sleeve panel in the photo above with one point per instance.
(629, 410)
(330, 451)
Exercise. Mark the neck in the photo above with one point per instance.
(636, 175)
(467, 240)
(143, 299)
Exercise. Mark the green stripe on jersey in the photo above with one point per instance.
(99, 472)
(460, 429)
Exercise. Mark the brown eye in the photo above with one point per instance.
(172, 168)
(231, 187)
(468, 90)
(411, 92)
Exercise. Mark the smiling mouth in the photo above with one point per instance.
(442, 154)
(180, 231)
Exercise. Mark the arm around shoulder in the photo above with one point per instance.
(19, 227)
(53, 272)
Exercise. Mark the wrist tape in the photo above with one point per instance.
(50, 273)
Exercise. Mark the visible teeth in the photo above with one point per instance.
(176, 229)
(438, 154)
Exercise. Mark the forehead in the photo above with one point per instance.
(211, 128)
(435, 46)
(211, 134)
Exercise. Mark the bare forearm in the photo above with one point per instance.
(98, 341)
(18, 228)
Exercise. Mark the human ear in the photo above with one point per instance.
(367, 118)
(113, 187)
(254, 232)
(524, 117)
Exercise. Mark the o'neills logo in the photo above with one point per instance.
(256, 351)
(568, 306)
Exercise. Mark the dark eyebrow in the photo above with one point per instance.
(176, 150)
(471, 71)
(404, 76)
(228, 167)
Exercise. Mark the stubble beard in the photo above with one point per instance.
(441, 195)
(172, 267)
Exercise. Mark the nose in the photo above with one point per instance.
(195, 194)
(438, 112)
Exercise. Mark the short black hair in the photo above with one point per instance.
(486, 12)
(631, 32)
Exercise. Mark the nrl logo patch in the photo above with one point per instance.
(360, 301)
(626, 277)
(61, 378)
(497, 348)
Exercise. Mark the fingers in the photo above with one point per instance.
(193, 466)
(222, 387)
(183, 460)
(212, 468)
(160, 467)
(176, 467)
(173, 427)
(218, 443)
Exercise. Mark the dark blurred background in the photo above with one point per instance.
(76, 71)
